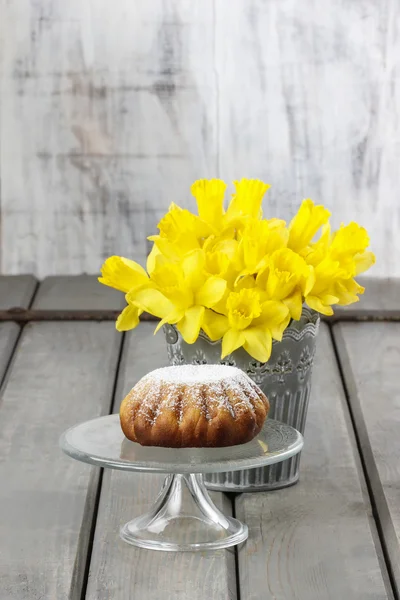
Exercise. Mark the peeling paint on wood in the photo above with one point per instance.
(109, 112)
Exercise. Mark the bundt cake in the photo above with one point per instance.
(194, 406)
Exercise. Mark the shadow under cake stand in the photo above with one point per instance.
(183, 516)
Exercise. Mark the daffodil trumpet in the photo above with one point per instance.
(237, 276)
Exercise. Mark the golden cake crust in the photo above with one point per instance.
(194, 406)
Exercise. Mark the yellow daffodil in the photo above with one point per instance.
(220, 260)
(305, 224)
(248, 322)
(246, 201)
(333, 285)
(124, 275)
(287, 277)
(322, 295)
(209, 194)
(217, 263)
(347, 291)
(350, 243)
(337, 258)
(180, 232)
(316, 251)
(258, 241)
(237, 276)
(181, 294)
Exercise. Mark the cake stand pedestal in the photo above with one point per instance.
(183, 517)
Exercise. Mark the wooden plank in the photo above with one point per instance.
(381, 300)
(120, 571)
(369, 354)
(316, 540)
(16, 291)
(8, 337)
(63, 373)
(81, 292)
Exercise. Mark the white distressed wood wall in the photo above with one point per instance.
(109, 110)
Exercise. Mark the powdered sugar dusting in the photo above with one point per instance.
(206, 387)
(189, 374)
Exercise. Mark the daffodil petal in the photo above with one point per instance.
(176, 315)
(171, 250)
(160, 324)
(294, 302)
(258, 343)
(179, 223)
(278, 330)
(232, 340)
(151, 259)
(129, 318)
(211, 292)
(191, 323)
(193, 268)
(273, 313)
(347, 291)
(215, 325)
(262, 276)
(220, 307)
(152, 301)
(344, 300)
(244, 281)
(364, 261)
(329, 299)
(310, 281)
(315, 303)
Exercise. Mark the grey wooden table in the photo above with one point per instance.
(335, 535)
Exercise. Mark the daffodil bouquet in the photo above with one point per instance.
(237, 276)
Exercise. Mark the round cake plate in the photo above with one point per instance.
(183, 516)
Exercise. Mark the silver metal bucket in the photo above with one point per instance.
(286, 381)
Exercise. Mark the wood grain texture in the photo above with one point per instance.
(317, 539)
(317, 112)
(109, 112)
(119, 571)
(82, 292)
(63, 373)
(16, 291)
(370, 357)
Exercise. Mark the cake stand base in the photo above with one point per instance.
(184, 518)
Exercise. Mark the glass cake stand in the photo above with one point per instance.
(183, 516)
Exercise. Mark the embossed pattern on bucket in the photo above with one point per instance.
(285, 379)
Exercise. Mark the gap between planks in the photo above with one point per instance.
(100, 480)
(306, 534)
(118, 570)
(341, 356)
(21, 315)
(21, 289)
